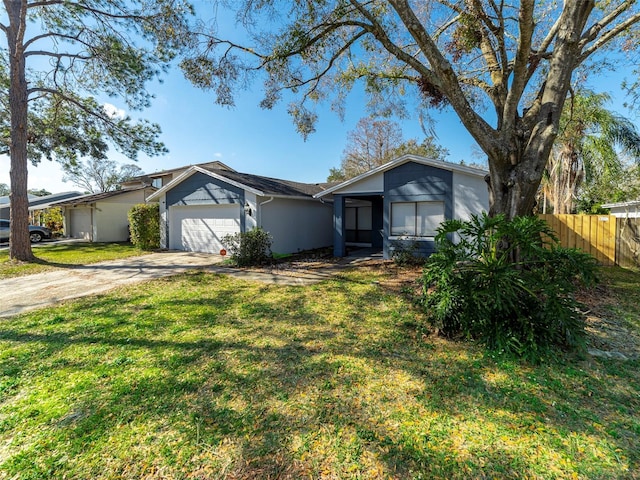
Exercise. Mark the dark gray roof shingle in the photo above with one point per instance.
(95, 197)
(272, 186)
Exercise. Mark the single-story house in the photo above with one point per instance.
(202, 205)
(102, 217)
(403, 202)
(624, 209)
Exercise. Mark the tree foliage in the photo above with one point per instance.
(38, 192)
(609, 187)
(4, 189)
(56, 59)
(99, 175)
(375, 142)
(517, 58)
(592, 150)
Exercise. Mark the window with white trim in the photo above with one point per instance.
(416, 219)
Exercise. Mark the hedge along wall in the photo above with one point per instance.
(144, 224)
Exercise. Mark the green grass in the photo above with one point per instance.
(205, 376)
(66, 255)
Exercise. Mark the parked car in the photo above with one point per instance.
(36, 233)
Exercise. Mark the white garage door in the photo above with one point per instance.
(80, 219)
(201, 228)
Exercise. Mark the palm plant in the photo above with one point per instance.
(591, 147)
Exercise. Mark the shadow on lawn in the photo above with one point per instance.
(279, 387)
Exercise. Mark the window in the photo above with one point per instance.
(417, 219)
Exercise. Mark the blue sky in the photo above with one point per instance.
(262, 142)
(247, 138)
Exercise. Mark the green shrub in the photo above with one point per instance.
(144, 225)
(52, 219)
(249, 248)
(507, 284)
(405, 253)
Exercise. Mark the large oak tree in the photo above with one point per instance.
(505, 68)
(57, 57)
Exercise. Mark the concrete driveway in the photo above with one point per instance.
(26, 293)
(21, 294)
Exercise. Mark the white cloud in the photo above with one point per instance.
(113, 111)
(217, 155)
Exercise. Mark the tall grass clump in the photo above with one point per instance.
(507, 284)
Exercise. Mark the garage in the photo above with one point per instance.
(200, 228)
(81, 224)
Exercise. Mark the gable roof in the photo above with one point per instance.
(95, 197)
(209, 165)
(256, 184)
(453, 167)
(45, 201)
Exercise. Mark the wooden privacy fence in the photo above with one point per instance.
(611, 240)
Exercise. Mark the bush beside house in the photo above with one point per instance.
(249, 248)
(144, 225)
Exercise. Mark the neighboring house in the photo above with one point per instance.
(102, 217)
(38, 203)
(403, 202)
(624, 209)
(202, 205)
(162, 178)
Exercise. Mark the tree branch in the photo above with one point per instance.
(59, 56)
(94, 11)
(609, 35)
(520, 67)
(100, 115)
(592, 32)
(445, 78)
(74, 38)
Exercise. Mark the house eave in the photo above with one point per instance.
(633, 203)
(399, 161)
(154, 197)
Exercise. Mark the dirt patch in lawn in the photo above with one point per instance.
(607, 332)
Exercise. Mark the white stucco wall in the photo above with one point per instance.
(297, 224)
(251, 215)
(164, 218)
(78, 222)
(470, 195)
(371, 184)
(110, 221)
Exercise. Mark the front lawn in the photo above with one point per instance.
(203, 376)
(66, 255)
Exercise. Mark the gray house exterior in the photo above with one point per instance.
(402, 203)
(202, 205)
